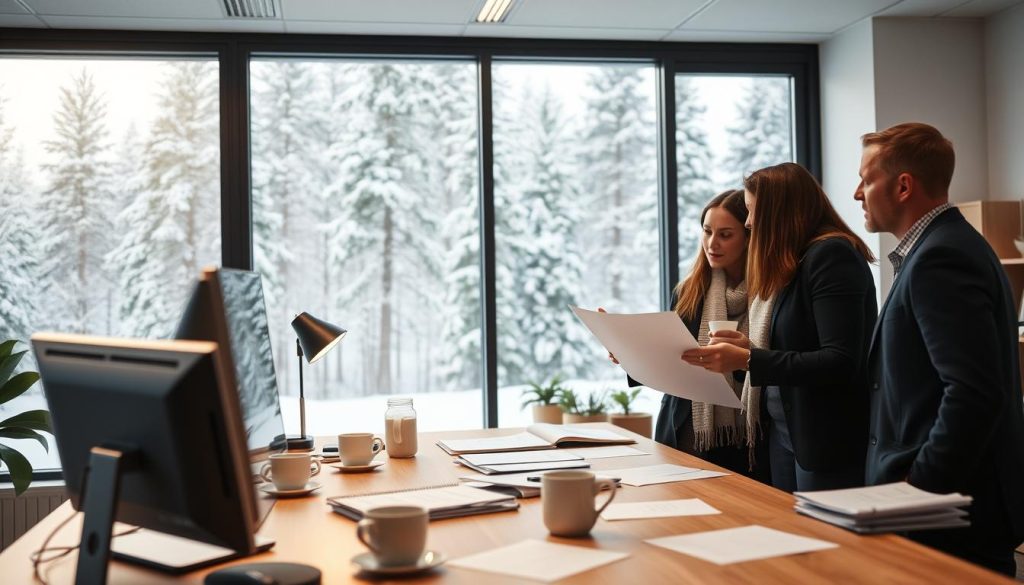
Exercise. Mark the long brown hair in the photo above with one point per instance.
(792, 212)
(690, 291)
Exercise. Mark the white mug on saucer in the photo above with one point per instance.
(358, 448)
(290, 471)
(568, 499)
(397, 535)
(716, 326)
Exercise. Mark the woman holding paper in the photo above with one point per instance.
(715, 290)
(812, 313)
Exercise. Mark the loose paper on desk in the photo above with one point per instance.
(663, 473)
(648, 347)
(658, 509)
(735, 545)
(538, 560)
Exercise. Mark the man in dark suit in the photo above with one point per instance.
(946, 411)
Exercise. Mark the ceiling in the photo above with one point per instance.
(642, 20)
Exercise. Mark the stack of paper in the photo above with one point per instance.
(520, 461)
(537, 436)
(520, 485)
(448, 501)
(663, 473)
(885, 508)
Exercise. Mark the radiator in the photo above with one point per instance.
(19, 514)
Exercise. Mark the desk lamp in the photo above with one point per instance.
(314, 338)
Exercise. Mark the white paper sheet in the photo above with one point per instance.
(606, 452)
(736, 545)
(538, 560)
(658, 509)
(664, 473)
(649, 346)
(520, 457)
(882, 500)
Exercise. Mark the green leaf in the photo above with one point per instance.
(7, 347)
(16, 385)
(32, 419)
(23, 433)
(8, 363)
(20, 468)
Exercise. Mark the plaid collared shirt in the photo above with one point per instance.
(912, 236)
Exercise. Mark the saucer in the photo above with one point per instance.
(357, 468)
(367, 563)
(272, 490)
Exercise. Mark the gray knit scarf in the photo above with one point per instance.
(714, 426)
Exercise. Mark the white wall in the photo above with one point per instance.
(847, 112)
(1004, 75)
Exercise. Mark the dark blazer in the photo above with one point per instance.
(946, 409)
(820, 330)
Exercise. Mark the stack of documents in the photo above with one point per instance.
(891, 507)
(520, 485)
(537, 436)
(520, 461)
(445, 501)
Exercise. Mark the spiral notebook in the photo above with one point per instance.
(441, 501)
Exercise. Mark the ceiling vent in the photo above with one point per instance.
(250, 9)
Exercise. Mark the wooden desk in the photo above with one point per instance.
(308, 532)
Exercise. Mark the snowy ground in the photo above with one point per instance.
(435, 412)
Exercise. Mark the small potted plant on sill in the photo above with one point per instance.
(638, 422)
(20, 426)
(544, 400)
(574, 411)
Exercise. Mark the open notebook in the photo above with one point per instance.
(537, 436)
(444, 501)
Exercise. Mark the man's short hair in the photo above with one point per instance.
(917, 149)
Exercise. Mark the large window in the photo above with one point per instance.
(726, 128)
(576, 219)
(109, 199)
(365, 213)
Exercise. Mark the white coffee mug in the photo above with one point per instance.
(397, 535)
(359, 448)
(568, 499)
(290, 471)
(715, 326)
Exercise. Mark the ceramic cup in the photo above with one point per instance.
(359, 448)
(715, 326)
(397, 535)
(290, 471)
(568, 499)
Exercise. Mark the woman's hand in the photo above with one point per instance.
(611, 356)
(718, 357)
(728, 336)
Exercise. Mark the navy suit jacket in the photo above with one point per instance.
(946, 409)
(820, 332)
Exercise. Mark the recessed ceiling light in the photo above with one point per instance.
(494, 11)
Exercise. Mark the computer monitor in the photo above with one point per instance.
(149, 433)
(227, 307)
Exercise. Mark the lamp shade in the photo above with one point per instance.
(316, 337)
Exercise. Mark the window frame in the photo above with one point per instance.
(233, 52)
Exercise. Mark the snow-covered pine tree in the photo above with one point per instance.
(127, 182)
(621, 191)
(19, 286)
(762, 135)
(693, 163)
(456, 133)
(550, 266)
(384, 231)
(75, 225)
(173, 224)
(283, 99)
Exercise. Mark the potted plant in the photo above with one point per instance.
(575, 411)
(638, 422)
(545, 401)
(20, 426)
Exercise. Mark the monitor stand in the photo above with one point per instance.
(100, 494)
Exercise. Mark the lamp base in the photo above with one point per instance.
(299, 442)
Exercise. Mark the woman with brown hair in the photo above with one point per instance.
(812, 313)
(715, 290)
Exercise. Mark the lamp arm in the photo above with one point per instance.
(302, 393)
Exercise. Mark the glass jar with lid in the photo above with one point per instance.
(400, 428)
